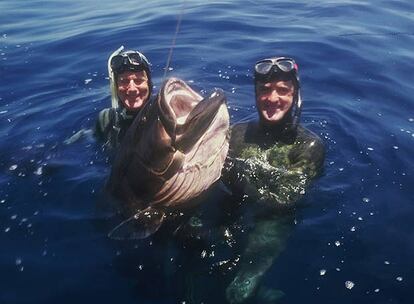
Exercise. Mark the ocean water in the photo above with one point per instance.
(353, 238)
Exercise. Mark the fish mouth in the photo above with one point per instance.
(185, 114)
(174, 150)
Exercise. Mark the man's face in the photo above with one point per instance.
(274, 99)
(133, 89)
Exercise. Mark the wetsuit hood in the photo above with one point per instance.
(116, 103)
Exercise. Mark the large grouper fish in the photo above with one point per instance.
(173, 151)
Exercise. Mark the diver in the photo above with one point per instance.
(269, 167)
(131, 88)
(274, 159)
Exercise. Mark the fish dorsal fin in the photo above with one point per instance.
(139, 226)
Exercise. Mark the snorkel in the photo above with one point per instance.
(280, 69)
(112, 79)
(122, 61)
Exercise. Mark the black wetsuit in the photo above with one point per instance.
(112, 124)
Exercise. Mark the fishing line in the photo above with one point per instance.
(177, 29)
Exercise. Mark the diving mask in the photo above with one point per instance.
(280, 64)
(129, 61)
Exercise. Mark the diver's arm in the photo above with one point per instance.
(281, 177)
(304, 163)
(104, 123)
(230, 176)
(107, 127)
(308, 155)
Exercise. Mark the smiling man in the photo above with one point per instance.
(131, 87)
(274, 99)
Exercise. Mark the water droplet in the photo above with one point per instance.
(365, 200)
(353, 229)
(18, 261)
(370, 149)
(13, 167)
(337, 243)
(399, 279)
(322, 272)
(376, 290)
(349, 284)
(395, 147)
(39, 171)
(386, 263)
(88, 80)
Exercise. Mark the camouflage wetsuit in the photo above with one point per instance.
(272, 166)
(268, 170)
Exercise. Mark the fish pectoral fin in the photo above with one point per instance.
(139, 226)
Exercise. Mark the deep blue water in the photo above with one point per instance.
(356, 61)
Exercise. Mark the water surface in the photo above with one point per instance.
(356, 64)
